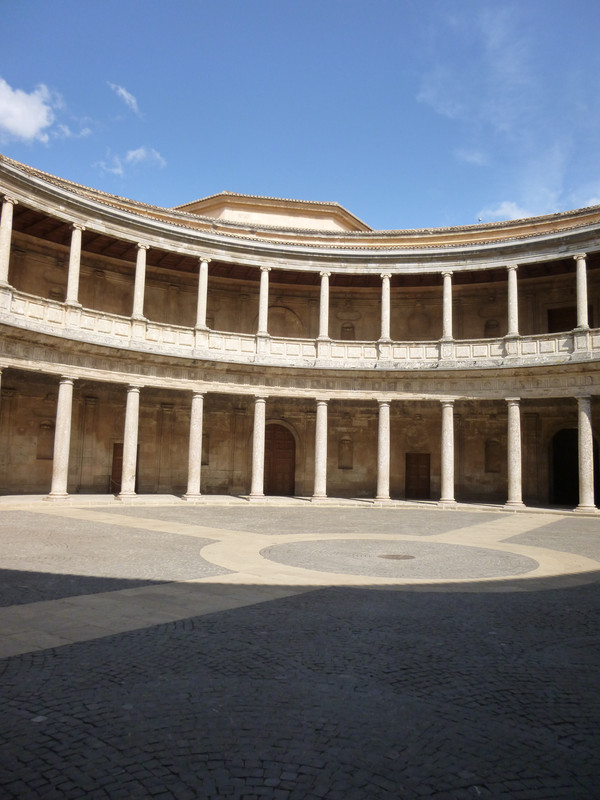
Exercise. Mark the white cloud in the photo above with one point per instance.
(112, 165)
(126, 96)
(148, 154)
(474, 157)
(481, 73)
(440, 91)
(63, 131)
(26, 116)
(115, 164)
(505, 210)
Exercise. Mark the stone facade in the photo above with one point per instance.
(149, 350)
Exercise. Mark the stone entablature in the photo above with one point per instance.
(85, 325)
(44, 355)
(429, 251)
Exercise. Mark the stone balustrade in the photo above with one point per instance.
(30, 312)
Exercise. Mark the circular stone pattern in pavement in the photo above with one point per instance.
(377, 558)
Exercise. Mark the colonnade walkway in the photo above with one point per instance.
(284, 649)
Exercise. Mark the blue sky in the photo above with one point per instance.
(409, 114)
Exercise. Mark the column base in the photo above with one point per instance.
(447, 502)
(255, 497)
(382, 499)
(56, 496)
(513, 505)
(139, 318)
(126, 496)
(318, 498)
(73, 304)
(323, 338)
(192, 496)
(585, 509)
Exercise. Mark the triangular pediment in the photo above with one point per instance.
(275, 212)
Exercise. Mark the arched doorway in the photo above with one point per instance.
(280, 461)
(564, 471)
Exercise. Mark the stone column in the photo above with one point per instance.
(582, 301)
(195, 447)
(140, 282)
(62, 439)
(263, 302)
(515, 491)
(447, 306)
(320, 488)
(385, 306)
(447, 476)
(202, 293)
(383, 451)
(5, 237)
(130, 442)
(257, 489)
(324, 306)
(586, 455)
(74, 264)
(513, 301)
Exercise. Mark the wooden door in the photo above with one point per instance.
(116, 472)
(418, 476)
(280, 461)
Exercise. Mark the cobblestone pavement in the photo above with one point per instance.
(377, 687)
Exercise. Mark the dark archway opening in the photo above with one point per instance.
(564, 468)
(280, 461)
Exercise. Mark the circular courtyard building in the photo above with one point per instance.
(256, 346)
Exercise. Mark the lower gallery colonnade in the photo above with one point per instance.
(376, 450)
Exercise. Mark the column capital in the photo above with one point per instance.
(196, 393)
(385, 275)
(205, 260)
(512, 267)
(325, 274)
(321, 402)
(447, 273)
(513, 400)
(265, 269)
(263, 397)
(384, 402)
(66, 379)
(12, 200)
(579, 256)
(77, 226)
(142, 246)
(446, 403)
(134, 387)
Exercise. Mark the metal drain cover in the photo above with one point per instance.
(396, 556)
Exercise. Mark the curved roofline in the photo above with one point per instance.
(476, 235)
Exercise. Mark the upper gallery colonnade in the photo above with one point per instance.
(445, 351)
